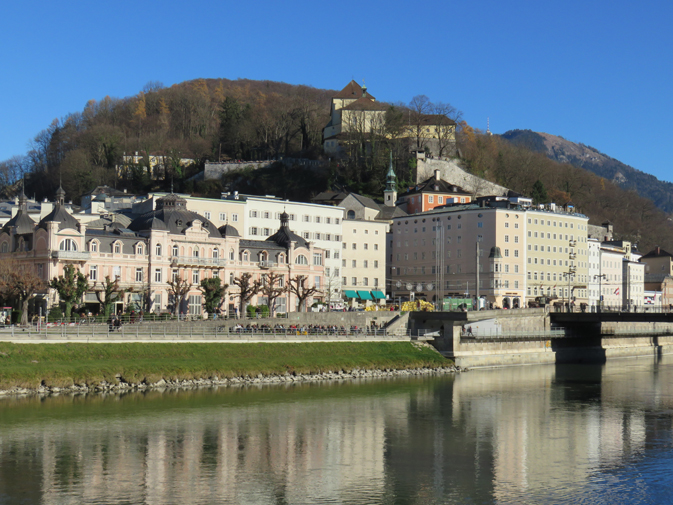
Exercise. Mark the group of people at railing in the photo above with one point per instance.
(306, 329)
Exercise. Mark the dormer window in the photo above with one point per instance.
(93, 246)
(139, 248)
(117, 248)
(178, 222)
(68, 245)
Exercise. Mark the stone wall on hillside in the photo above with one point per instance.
(452, 173)
(216, 170)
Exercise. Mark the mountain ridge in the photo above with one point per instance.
(589, 158)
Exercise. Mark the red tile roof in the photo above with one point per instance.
(365, 103)
(352, 90)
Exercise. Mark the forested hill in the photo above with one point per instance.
(203, 119)
(559, 149)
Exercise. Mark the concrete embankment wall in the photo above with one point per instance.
(628, 339)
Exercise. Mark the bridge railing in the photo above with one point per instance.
(468, 334)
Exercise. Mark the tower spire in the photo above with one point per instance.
(390, 193)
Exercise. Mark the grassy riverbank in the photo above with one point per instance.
(61, 365)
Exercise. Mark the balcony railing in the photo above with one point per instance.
(195, 260)
(71, 255)
(267, 264)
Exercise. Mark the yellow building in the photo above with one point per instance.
(355, 115)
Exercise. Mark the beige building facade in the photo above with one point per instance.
(508, 254)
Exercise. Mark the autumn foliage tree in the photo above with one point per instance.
(19, 283)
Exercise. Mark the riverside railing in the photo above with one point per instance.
(193, 332)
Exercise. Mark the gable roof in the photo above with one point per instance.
(351, 90)
(432, 185)
(435, 119)
(365, 103)
(388, 212)
(657, 252)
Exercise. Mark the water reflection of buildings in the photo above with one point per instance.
(489, 435)
(289, 452)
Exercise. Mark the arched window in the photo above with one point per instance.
(176, 251)
(263, 256)
(350, 214)
(117, 248)
(232, 254)
(281, 258)
(216, 253)
(301, 260)
(5, 247)
(157, 250)
(68, 245)
(93, 246)
(139, 248)
(246, 256)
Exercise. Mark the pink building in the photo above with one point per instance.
(158, 246)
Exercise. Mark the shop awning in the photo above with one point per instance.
(378, 295)
(350, 294)
(365, 295)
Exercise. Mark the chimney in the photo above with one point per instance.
(437, 177)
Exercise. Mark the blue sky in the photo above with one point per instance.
(596, 72)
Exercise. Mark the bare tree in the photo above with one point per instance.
(446, 118)
(297, 286)
(178, 288)
(247, 288)
(272, 288)
(419, 108)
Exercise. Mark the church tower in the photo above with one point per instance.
(390, 193)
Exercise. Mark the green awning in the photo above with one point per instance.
(378, 295)
(350, 294)
(365, 295)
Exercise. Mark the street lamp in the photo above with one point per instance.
(600, 290)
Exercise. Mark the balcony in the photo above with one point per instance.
(71, 255)
(267, 264)
(196, 261)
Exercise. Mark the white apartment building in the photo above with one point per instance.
(319, 224)
(364, 260)
(611, 280)
(594, 255)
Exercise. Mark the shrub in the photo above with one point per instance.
(263, 310)
(251, 310)
(55, 314)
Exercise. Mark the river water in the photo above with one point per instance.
(532, 434)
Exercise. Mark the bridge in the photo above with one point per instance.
(527, 336)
